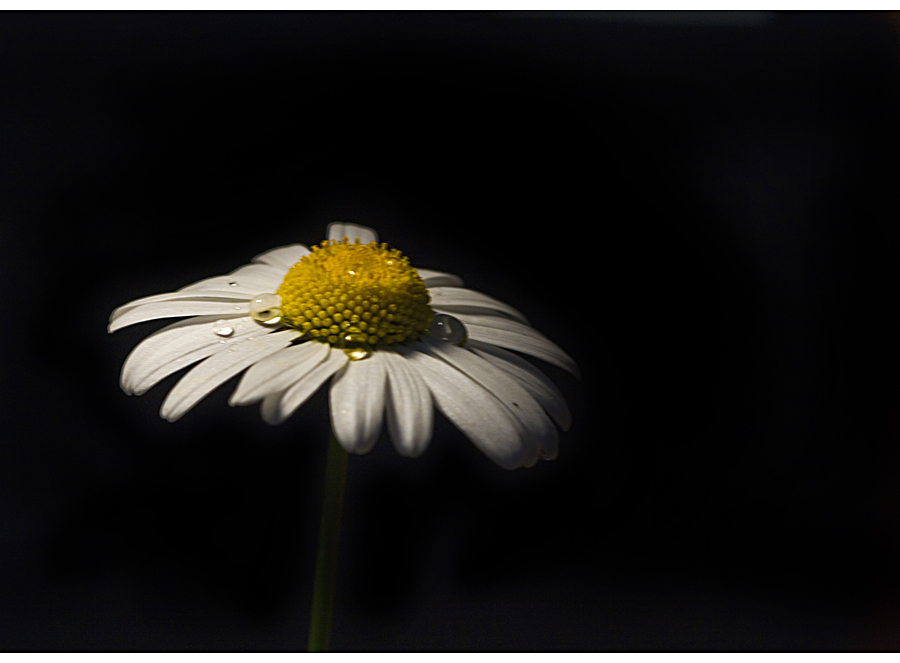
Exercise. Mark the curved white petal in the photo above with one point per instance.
(356, 399)
(472, 409)
(191, 295)
(504, 388)
(251, 279)
(433, 279)
(180, 309)
(203, 378)
(179, 345)
(351, 231)
(279, 406)
(458, 310)
(284, 257)
(514, 335)
(410, 413)
(538, 385)
(278, 371)
(448, 298)
(244, 288)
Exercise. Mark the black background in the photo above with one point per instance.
(700, 209)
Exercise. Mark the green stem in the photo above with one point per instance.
(329, 535)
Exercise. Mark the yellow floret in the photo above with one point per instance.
(356, 294)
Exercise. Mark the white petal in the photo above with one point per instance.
(514, 335)
(504, 388)
(459, 309)
(278, 371)
(179, 345)
(356, 399)
(158, 310)
(538, 385)
(252, 279)
(472, 409)
(244, 288)
(433, 279)
(448, 298)
(351, 231)
(279, 406)
(410, 413)
(283, 257)
(191, 295)
(203, 378)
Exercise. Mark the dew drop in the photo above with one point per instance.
(223, 329)
(447, 328)
(355, 348)
(266, 308)
(233, 284)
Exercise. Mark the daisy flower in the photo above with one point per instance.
(396, 342)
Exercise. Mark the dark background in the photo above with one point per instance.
(700, 208)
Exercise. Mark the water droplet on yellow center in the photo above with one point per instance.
(355, 296)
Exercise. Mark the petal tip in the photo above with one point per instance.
(351, 231)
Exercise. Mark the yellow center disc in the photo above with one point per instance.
(349, 294)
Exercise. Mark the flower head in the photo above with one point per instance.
(395, 341)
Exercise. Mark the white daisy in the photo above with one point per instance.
(393, 340)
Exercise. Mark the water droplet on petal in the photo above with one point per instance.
(233, 284)
(266, 308)
(223, 329)
(447, 328)
(355, 347)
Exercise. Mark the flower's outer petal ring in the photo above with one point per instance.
(179, 345)
(410, 412)
(515, 336)
(242, 284)
(278, 371)
(250, 279)
(246, 288)
(356, 400)
(191, 295)
(177, 310)
(538, 385)
(505, 389)
(203, 378)
(459, 310)
(447, 298)
(277, 407)
(472, 409)
(433, 279)
(283, 258)
(351, 231)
